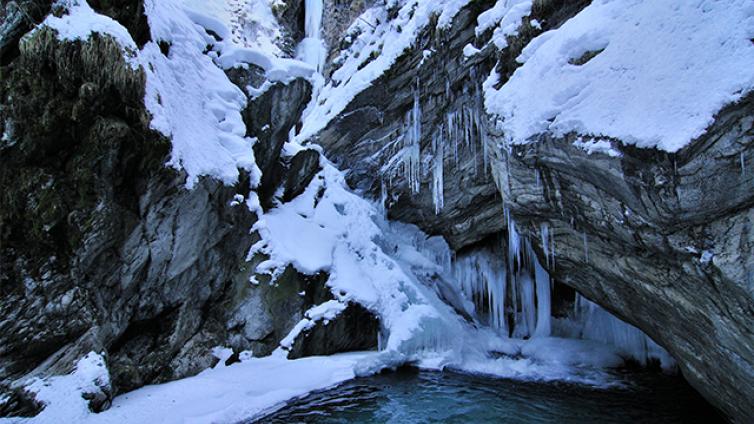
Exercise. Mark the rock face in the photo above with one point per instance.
(663, 241)
(368, 135)
(355, 329)
(101, 246)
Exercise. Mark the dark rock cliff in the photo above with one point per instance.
(101, 246)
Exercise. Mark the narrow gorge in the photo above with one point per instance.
(212, 209)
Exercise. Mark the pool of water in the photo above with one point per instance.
(410, 396)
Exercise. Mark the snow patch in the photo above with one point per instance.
(63, 395)
(81, 22)
(505, 17)
(642, 87)
(377, 42)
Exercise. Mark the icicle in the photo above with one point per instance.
(586, 247)
(438, 195)
(552, 247)
(481, 276)
(383, 198)
(525, 327)
(600, 325)
(743, 167)
(542, 279)
(452, 134)
(514, 245)
(412, 144)
(545, 234)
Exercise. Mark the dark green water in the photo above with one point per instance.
(431, 397)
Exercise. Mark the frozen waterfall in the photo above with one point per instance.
(509, 293)
(600, 325)
(312, 49)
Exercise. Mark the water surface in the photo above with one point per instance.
(409, 396)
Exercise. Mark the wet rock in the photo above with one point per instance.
(270, 117)
(303, 167)
(355, 329)
(264, 313)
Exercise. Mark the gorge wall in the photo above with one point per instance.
(105, 249)
(662, 240)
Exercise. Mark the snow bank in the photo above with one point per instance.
(328, 228)
(224, 394)
(376, 43)
(192, 101)
(505, 17)
(644, 86)
(63, 395)
(190, 98)
(245, 23)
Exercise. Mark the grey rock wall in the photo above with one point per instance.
(668, 237)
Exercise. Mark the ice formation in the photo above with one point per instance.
(312, 49)
(599, 325)
(462, 128)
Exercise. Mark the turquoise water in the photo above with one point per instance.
(433, 397)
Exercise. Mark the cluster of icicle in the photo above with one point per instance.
(511, 293)
(600, 325)
(461, 127)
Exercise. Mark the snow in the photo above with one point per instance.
(469, 50)
(223, 394)
(597, 146)
(62, 395)
(505, 17)
(643, 87)
(326, 312)
(329, 228)
(190, 98)
(377, 43)
(82, 21)
(406, 278)
(193, 102)
(395, 271)
(312, 49)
